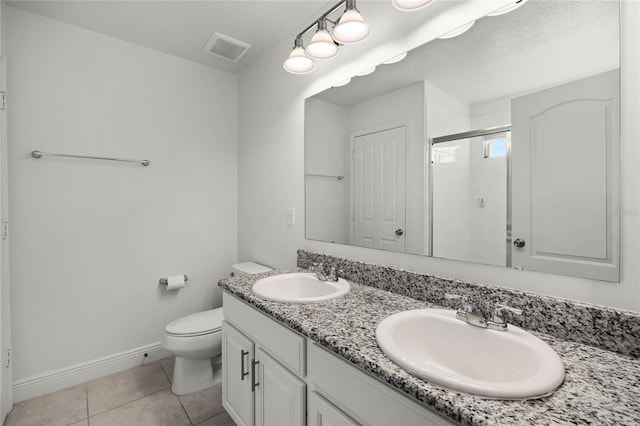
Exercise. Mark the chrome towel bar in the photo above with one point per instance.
(327, 176)
(40, 154)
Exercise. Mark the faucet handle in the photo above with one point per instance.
(497, 320)
(465, 306)
(451, 296)
(500, 307)
(333, 274)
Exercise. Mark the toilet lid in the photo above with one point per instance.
(198, 323)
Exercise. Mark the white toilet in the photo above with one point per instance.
(197, 338)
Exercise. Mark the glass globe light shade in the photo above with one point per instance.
(298, 62)
(322, 46)
(351, 28)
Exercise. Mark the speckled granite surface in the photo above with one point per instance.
(612, 329)
(600, 387)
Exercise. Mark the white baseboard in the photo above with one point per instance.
(51, 381)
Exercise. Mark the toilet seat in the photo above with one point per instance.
(197, 324)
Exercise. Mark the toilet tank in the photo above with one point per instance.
(248, 268)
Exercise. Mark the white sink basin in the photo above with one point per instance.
(435, 346)
(298, 288)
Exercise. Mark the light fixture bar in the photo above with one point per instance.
(323, 16)
(350, 28)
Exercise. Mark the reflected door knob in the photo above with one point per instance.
(519, 243)
(399, 232)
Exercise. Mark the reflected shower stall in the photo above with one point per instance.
(470, 196)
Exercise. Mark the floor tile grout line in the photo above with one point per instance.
(185, 410)
(90, 418)
(165, 372)
(86, 390)
(128, 402)
(132, 400)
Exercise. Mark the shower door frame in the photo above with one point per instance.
(468, 135)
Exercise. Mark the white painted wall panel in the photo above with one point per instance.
(91, 239)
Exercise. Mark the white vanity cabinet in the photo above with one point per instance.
(297, 382)
(262, 365)
(321, 412)
(237, 355)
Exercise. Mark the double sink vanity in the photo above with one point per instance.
(299, 348)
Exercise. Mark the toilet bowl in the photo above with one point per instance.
(194, 340)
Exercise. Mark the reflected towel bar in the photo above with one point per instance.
(327, 176)
(39, 154)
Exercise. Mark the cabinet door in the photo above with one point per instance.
(323, 413)
(280, 396)
(237, 395)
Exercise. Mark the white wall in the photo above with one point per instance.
(271, 158)
(406, 107)
(91, 239)
(6, 379)
(326, 154)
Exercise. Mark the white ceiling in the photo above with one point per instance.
(182, 27)
(543, 43)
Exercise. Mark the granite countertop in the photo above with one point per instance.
(600, 387)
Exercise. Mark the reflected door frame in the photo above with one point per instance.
(407, 190)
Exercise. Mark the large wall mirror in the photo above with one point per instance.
(497, 146)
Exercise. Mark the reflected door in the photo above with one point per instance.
(379, 190)
(566, 163)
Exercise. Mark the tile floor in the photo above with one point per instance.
(140, 396)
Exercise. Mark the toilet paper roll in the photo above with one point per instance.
(175, 282)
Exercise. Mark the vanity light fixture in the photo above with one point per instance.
(508, 8)
(322, 45)
(460, 30)
(410, 5)
(298, 62)
(395, 59)
(349, 29)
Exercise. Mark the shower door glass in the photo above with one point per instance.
(470, 192)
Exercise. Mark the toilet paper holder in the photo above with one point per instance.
(165, 281)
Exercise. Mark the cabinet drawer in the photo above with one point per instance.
(363, 397)
(284, 344)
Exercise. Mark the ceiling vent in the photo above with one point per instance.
(225, 47)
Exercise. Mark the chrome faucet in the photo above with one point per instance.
(472, 315)
(321, 273)
(497, 322)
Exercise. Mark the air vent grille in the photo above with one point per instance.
(225, 47)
